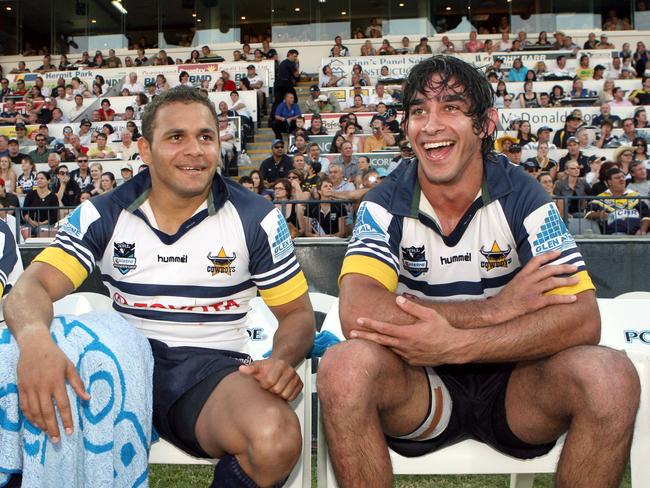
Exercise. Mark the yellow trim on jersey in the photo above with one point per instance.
(64, 262)
(2, 290)
(371, 267)
(286, 292)
(583, 285)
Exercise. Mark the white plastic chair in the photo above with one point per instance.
(618, 317)
(635, 295)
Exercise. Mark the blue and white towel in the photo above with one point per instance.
(112, 431)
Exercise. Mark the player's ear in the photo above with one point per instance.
(491, 123)
(144, 148)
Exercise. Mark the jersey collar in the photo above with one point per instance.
(132, 194)
(405, 200)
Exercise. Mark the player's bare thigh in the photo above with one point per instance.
(372, 376)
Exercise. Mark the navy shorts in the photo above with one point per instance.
(183, 379)
(478, 394)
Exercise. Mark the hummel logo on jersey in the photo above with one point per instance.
(366, 227)
(414, 260)
(221, 263)
(124, 256)
(495, 257)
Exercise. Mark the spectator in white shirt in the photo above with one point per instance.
(356, 91)
(133, 86)
(380, 96)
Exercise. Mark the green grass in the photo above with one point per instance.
(174, 476)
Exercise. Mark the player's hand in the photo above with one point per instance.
(430, 341)
(42, 372)
(276, 376)
(526, 292)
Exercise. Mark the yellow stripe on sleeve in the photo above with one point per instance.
(371, 267)
(64, 262)
(285, 292)
(583, 285)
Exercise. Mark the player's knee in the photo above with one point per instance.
(607, 383)
(351, 366)
(275, 441)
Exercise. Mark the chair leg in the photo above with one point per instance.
(522, 480)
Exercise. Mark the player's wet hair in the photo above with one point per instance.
(460, 78)
(179, 94)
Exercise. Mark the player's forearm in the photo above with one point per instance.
(294, 337)
(466, 314)
(28, 320)
(536, 335)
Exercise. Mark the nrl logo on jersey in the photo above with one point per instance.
(495, 257)
(221, 263)
(124, 256)
(414, 260)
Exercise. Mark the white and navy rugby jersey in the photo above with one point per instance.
(397, 238)
(11, 265)
(188, 289)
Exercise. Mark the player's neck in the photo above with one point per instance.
(450, 201)
(170, 212)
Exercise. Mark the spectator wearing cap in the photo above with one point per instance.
(323, 105)
(14, 151)
(256, 82)
(277, 165)
(569, 130)
(329, 79)
(312, 100)
(543, 136)
(599, 72)
(21, 135)
(572, 185)
(604, 42)
(641, 96)
(85, 134)
(126, 171)
(514, 154)
(40, 154)
(606, 114)
(574, 154)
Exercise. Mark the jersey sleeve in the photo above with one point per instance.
(9, 256)
(538, 228)
(78, 244)
(374, 248)
(273, 264)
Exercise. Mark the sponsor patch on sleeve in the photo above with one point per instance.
(79, 220)
(372, 223)
(278, 234)
(547, 231)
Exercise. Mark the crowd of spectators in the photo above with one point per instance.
(296, 176)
